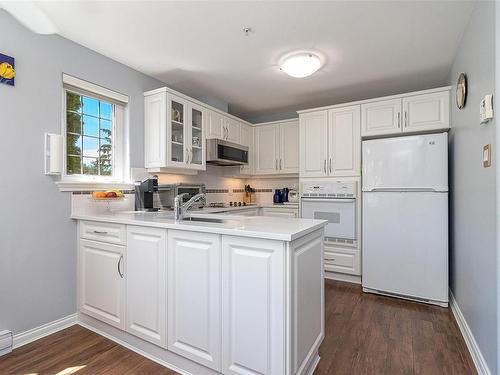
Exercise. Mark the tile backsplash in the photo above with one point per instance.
(221, 188)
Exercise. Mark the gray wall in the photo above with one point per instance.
(496, 106)
(473, 263)
(37, 237)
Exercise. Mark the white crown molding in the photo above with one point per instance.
(470, 341)
(36, 333)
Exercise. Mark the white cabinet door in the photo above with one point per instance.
(246, 139)
(280, 212)
(155, 130)
(215, 125)
(426, 112)
(266, 149)
(194, 296)
(253, 306)
(232, 130)
(101, 283)
(344, 141)
(313, 144)
(196, 137)
(177, 132)
(382, 117)
(289, 147)
(146, 283)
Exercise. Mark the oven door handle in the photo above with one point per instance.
(326, 200)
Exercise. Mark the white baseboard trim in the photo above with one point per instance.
(33, 334)
(314, 364)
(134, 349)
(470, 341)
(343, 277)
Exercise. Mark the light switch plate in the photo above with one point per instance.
(487, 156)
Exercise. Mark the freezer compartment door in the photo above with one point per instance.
(416, 163)
(405, 243)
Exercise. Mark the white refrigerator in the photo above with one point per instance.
(405, 217)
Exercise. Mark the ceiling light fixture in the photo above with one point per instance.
(300, 65)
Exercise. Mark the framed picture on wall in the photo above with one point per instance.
(7, 70)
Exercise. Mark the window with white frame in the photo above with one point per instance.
(93, 129)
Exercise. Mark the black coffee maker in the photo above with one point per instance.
(144, 191)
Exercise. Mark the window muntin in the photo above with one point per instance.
(90, 137)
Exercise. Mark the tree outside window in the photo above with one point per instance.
(89, 135)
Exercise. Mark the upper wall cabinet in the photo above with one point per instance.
(344, 141)
(215, 125)
(379, 118)
(330, 142)
(426, 112)
(174, 133)
(277, 148)
(408, 114)
(266, 149)
(289, 147)
(232, 129)
(223, 127)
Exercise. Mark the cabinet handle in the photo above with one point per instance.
(330, 165)
(406, 119)
(324, 165)
(100, 232)
(276, 164)
(280, 164)
(119, 264)
(399, 122)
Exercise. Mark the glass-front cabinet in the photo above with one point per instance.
(177, 127)
(197, 137)
(174, 133)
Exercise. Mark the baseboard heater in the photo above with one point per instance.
(5, 342)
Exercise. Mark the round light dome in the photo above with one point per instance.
(301, 64)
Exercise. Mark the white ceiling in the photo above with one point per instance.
(370, 48)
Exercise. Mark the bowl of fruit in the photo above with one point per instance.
(108, 195)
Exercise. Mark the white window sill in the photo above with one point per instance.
(92, 185)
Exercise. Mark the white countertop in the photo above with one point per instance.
(283, 229)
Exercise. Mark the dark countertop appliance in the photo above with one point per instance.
(144, 194)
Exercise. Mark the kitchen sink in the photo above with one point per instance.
(204, 219)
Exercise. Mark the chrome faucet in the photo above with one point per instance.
(180, 208)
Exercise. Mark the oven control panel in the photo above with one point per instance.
(334, 189)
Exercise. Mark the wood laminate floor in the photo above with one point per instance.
(365, 334)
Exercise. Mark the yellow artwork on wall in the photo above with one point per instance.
(7, 70)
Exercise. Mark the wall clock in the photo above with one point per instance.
(461, 94)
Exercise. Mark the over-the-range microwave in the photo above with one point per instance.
(220, 152)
